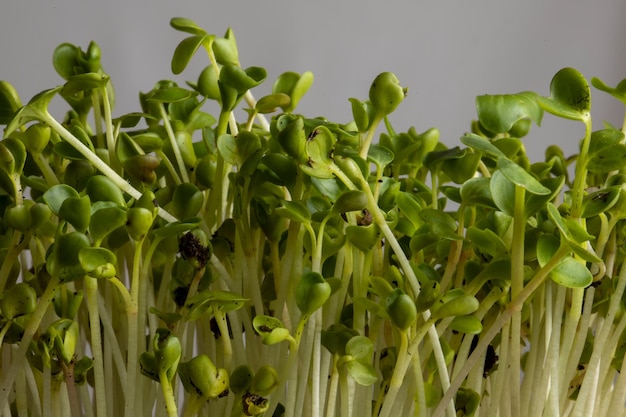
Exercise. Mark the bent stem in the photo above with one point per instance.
(101, 165)
(515, 305)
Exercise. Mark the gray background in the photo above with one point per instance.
(446, 52)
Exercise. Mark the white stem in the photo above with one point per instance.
(101, 165)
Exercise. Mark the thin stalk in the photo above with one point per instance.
(21, 400)
(112, 343)
(132, 307)
(619, 393)
(30, 329)
(97, 116)
(365, 146)
(172, 137)
(101, 165)
(578, 344)
(91, 292)
(586, 397)
(515, 304)
(535, 359)
(18, 243)
(168, 394)
(517, 283)
(402, 363)
(317, 404)
(332, 389)
(70, 385)
(420, 396)
(553, 354)
(580, 176)
(43, 165)
(110, 131)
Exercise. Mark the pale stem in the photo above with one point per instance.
(517, 283)
(101, 165)
(168, 394)
(19, 355)
(172, 137)
(332, 390)
(586, 397)
(370, 136)
(578, 344)
(91, 290)
(132, 371)
(488, 336)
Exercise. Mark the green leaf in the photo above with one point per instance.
(312, 292)
(604, 138)
(363, 238)
(36, 109)
(63, 261)
(401, 309)
(467, 324)
(225, 49)
(607, 159)
(568, 272)
(294, 85)
(9, 102)
(64, 59)
(476, 191)
(619, 92)
(518, 176)
(77, 212)
(270, 329)
(380, 156)
(462, 305)
(104, 221)
(499, 113)
(187, 48)
(177, 228)
(440, 222)
(461, 169)
(12, 156)
(18, 300)
(571, 231)
(186, 25)
(98, 262)
(429, 294)
(360, 347)
(242, 80)
(570, 96)
(170, 95)
(294, 211)
(270, 103)
(265, 381)
(336, 337)
(480, 144)
(362, 372)
(433, 159)
(600, 201)
(204, 302)
(83, 82)
(56, 194)
(187, 200)
(487, 241)
(535, 202)
(101, 188)
(319, 149)
(350, 200)
(360, 115)
(386, 93)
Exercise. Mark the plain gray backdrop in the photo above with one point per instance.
(446, 52)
